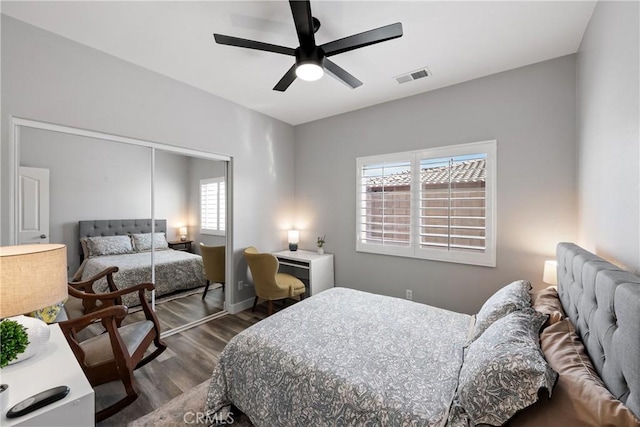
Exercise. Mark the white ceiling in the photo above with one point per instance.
(457, 41)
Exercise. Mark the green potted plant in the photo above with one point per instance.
(13, 341)
(320, 244)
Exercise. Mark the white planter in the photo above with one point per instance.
(320, 251)
(38, 333)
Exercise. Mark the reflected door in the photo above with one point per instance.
(33, 205)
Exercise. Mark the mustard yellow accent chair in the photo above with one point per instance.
(213, 258)
(271, 285)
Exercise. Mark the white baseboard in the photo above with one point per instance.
(241, 306)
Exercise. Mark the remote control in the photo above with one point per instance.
(38, 401)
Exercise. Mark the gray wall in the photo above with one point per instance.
(49, 78)
(609, 134)
(530, 111)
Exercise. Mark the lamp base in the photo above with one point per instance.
(183, 238)
(293, 247)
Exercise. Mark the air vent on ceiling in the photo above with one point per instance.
(413, 75)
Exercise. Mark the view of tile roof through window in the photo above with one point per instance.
(461, 172)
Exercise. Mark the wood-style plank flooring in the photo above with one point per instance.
(188, 360)
(180, 311)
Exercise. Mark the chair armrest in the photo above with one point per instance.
(111, 295)
(115, 311)
(98, 276)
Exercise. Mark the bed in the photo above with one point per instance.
(345, 357)
(127, 245)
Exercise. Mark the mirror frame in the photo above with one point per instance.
(16, 123)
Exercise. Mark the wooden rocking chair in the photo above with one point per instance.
(115, 354)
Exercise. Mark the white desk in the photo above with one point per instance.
(55, 365)
(315, 270)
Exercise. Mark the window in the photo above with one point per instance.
(434, 204)
(212, 206)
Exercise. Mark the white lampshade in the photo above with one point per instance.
(294, 236)
(550, 273)
(309, 71)
(183, 231)
(31, 277)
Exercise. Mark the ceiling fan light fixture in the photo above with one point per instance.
(309, 71)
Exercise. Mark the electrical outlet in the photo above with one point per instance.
(409, 295)
(240, 285)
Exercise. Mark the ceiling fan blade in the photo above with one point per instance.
(301, 11)
(339, 73)
(286, 80)
(367, 38)
(252, 44)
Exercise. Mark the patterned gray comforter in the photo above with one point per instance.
(344, 357)
(175, 271)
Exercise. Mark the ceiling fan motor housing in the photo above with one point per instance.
(314, 56)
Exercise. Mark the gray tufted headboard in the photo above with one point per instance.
(603, 302)
(116, 227)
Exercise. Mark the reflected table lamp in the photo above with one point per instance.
(32, 277)
(183, 233)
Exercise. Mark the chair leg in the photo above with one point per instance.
(270, 310)
(255, 303)
(204, 294)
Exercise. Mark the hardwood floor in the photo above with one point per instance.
(188, 360)
(180, 311)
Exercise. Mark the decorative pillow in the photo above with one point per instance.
(48, 314)
(546, 301)
(142, 241)
(515, 296)
(85, 248)
(109, 245)
(580, 398)
(504, 369)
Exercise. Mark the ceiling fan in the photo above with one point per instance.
(311, 59)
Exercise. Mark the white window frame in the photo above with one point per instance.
(221, 222)
(488, 258)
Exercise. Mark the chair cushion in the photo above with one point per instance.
(97, 350)
(295, 285)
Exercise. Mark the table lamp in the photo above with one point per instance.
(294, 238)
(550, 272)
(183, 233)
(32, 277)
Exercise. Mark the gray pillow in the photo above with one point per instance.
(142, 241)
(515, 296)
(109, 245)
(504, 369)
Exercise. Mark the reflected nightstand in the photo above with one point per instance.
(180, 245)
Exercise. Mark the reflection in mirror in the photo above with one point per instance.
(100, 191)
(181, 276)
(89, 179)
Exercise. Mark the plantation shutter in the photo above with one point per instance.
(212, 205)
(385, 204)
(453, 203)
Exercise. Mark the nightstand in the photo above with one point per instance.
(180, 245)
(53, 366)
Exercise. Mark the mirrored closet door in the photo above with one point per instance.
(158, 213)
